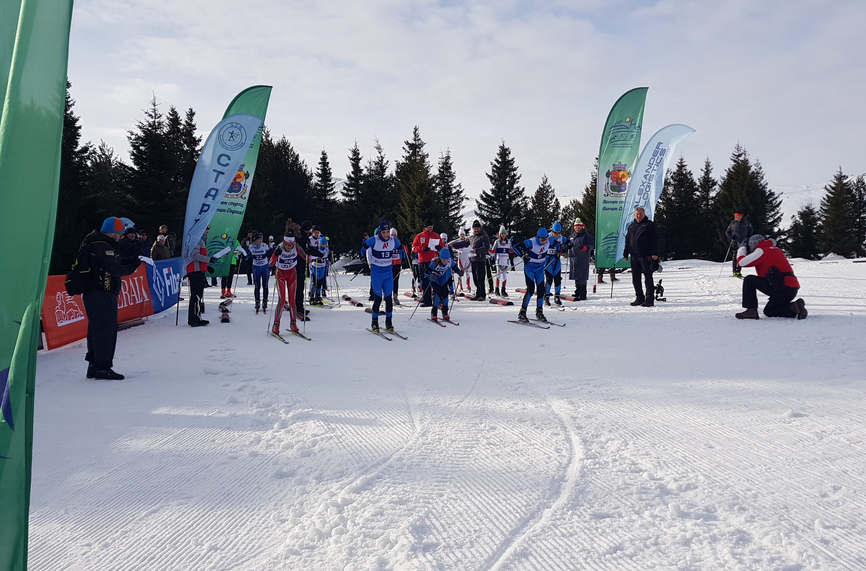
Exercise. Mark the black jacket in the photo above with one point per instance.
(105, 263)
(480, 244)
(641, 240)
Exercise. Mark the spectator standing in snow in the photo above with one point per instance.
(100, 301)
(775, 278)
(739, 231)
(479, 242)
(170, 239)
(641, 243)
(159, 250)
(426, 253)
(583, 244)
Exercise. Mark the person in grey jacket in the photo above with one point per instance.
(479, 242)
(582, 247)
(739, 231)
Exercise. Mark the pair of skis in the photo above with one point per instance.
(380, 333)
(442, 322)
(284, 340)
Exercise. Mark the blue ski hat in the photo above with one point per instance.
(444, 254)
(384, 225)
(323, 241)
(557, 227)
(112, 224)
(542, 233)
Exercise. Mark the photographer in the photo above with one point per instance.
(775, 278)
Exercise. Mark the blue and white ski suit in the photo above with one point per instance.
(382, 253)
(533, 268)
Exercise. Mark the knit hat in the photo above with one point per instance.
(384, 225)
(557, 227)
(428, 222)
(542, 233)
(476, 224)
(444, 236)
(502, 230)
(394, 232)
(753, 241)
(112, 224)
(160, 238)
(577, 222)
(444, 254)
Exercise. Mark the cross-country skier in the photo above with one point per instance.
(426, 245)
(582, 246)
(534, 253)
(775, 278)
(439, 273)
(558, 245)
(260, 253)
(382, 248)
(501, 249)
(285, 258)
(319, 270)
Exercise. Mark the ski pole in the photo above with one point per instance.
(417, 305)
(177, 313)
(274, 297)
(726, 259)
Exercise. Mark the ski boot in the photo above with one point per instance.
(547, 299)
(539, 315)
(375, 325)
(496, 291)
(556, 300)
(389, 325)
(521, 317)
(276, 328)
(293, 327)
(223, 293)
(434, 313)
(257, 308)
(396, 301)
(265, 306)
(445, 316)
(504, 293)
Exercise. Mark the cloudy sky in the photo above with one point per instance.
(784, 79)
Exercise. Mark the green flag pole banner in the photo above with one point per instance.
(620, 145)
(34, 49)
(226, 223)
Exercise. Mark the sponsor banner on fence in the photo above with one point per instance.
(64, 319)
(164, 279)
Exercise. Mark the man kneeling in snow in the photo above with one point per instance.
(775, 278)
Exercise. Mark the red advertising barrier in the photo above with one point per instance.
(64, 319)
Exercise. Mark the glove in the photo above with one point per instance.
(525, 258)
(584, 249)
(213, 260)
(426, 249)
(438, 247)
(210, 269)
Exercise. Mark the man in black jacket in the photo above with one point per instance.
(738, 232)
(100, 300)
(641, 244)
(480, 244)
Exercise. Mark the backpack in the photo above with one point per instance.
(80, 277)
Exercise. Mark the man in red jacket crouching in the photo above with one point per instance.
(775, 278)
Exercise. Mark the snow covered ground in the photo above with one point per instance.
(674, 437)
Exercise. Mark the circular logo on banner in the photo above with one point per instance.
(232, 136)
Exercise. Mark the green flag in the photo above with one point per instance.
(620, 145)
(34, 45)
(226, 223)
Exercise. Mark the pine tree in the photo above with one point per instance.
(355, 177)
(74, 218)
(678, 213)
(449, 195)
(743, 189)
(544, 207)
(350, 223)
(858, 195)
(505, 204)
(585, 208)
(706, 238)
(109, 182)
(569, 214)
(838, 217)
(380, 195)
(152, 181)
(413, 180)
(804, 233)
(324, 191)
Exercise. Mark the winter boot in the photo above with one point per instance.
(799, 307)
(389, 325)
(637, 302)
(539, 314)
(613, 277)
(582, 291)
(375, 324)
(107, 374)
(91, 370)
(547, 299)
(521, 317)
(556, 300)
(650, 302)
(576, 294)
(601, 279)
(223, 293)
(751, 313)
(229, 293)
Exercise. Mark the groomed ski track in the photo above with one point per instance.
(673, 437)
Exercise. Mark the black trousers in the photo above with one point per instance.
(196, 297)
(479, 270)
(779, 304)
(226, 282)
(642, 267)
(101, 308)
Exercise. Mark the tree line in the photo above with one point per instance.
(152, 189)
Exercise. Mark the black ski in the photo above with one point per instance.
(528, 323)
(550, 323)
(278, 336)
(379, 334)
